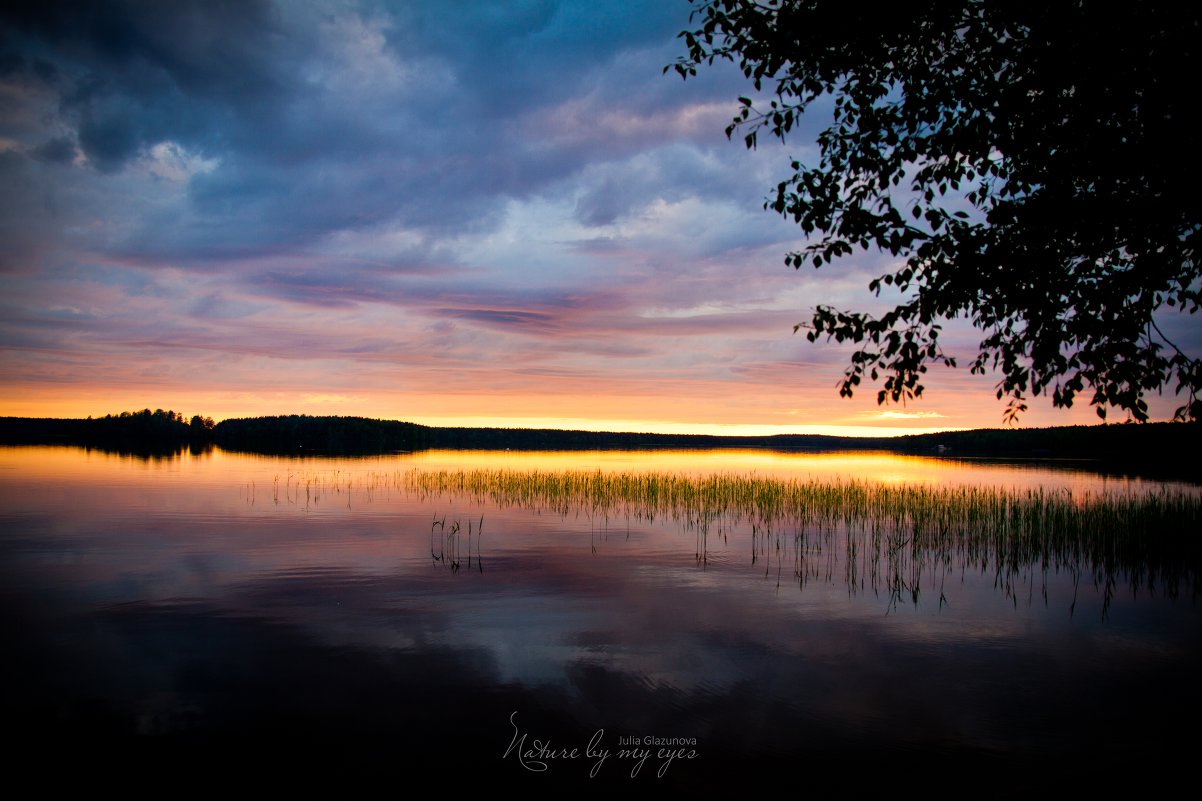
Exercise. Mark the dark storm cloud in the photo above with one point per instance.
(315, 119)
(519, 55)
(131, 73)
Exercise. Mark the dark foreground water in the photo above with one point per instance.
(218, 624)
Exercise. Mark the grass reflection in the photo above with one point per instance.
(898, 539)
(453, 542)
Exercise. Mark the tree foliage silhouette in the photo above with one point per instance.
(1031, 166)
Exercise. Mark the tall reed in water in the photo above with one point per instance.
(1152, 539)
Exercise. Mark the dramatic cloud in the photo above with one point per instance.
(422, 210)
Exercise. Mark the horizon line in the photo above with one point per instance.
(654, 428)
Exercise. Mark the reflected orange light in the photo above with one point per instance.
(47, 467)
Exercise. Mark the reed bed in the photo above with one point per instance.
(889, 533)
(896, 538)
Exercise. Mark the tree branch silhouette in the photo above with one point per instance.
(1029, 167)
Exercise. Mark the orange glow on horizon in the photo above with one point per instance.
(762, 413)
(671, 427)
(219, 407)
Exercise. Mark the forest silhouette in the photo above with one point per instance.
(1166, 447)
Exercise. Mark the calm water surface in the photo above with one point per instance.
(306, 623)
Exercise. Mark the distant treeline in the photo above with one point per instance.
(1170, 445)
(160, 431)
(1173, 447)
(304, 434)
(536, 439)
(1133, 441)
(144, 431)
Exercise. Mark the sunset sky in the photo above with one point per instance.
(459, 213)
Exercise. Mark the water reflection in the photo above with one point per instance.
(50, 463)
(310, 624)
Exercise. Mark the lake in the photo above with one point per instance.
(185, 624)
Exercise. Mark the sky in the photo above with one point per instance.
(467, 213)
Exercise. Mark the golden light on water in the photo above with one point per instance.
(54, 466)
